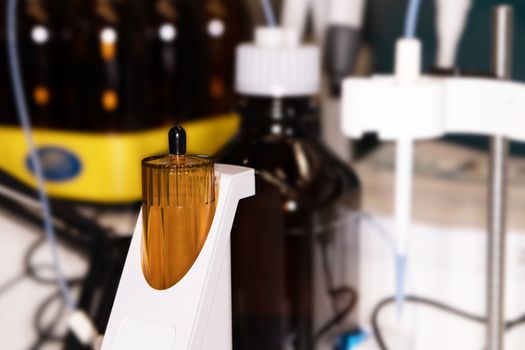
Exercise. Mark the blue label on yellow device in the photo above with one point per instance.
(58, 164)
(103, 167)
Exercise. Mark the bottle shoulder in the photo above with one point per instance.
(304, 167)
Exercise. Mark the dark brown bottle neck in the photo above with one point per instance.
(280, 117)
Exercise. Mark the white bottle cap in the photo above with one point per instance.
(277, 65)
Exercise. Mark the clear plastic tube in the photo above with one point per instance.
(269, 13)
(25, 122)
(404, 155)
(412, 15)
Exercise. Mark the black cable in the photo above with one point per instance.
(341, 314)
(12, 282)
(73, 229)
(327, 270)
(45, 333)
(437, 305)
(31, 270)
(15, 280)
(68, 236)
(334, 293)
(510, 325)
(43, 330)
(62, 210)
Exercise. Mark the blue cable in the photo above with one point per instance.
(269, 13)
(412, 15)
(25, 122)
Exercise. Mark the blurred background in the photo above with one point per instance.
(105, 79)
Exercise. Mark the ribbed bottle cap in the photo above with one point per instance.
(276, 64)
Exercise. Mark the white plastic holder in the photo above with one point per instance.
(408, 107)
(195, 313)
(426, 108)
(432, 107)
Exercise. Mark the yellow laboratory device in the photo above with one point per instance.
(102, 167)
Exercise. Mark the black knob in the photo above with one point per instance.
(177, 140)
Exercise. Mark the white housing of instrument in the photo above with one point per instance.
(195, 313)
(406, 106)
(432, 107)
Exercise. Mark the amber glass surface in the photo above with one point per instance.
(107, 78)
(178, 205)
(288, 261)
(219, 26)
(40, 59)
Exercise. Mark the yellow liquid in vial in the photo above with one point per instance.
(173, 238)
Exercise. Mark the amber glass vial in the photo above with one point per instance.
(178, 205)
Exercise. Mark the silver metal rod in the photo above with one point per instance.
(502, 21)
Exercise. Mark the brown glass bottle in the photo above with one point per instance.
(107, 71)
(169, 36)
(305, 198)
(7, 111)
(220, 25)
(39, 44)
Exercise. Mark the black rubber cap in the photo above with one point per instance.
(177, 140)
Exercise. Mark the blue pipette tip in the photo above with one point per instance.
(401, 265)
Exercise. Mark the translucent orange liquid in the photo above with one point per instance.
(178, 205)
(173, 238)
